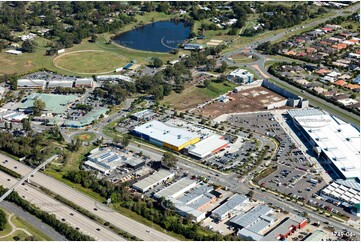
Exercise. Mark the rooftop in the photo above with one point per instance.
(230, 204)
(207, 145)
(283, 228)
(175, 187)
(153, 179)
(165, 133)
(340, 141)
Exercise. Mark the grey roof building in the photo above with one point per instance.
(232, 205)
(255, 220)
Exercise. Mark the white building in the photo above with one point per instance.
(176, 189)
(14, 52)
(153, 180)
(232, 205)
(208, 146)
(240, 76)
(31, 84)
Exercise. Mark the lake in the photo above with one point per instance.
(158, 36)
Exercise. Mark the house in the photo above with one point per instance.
(322, 71)
(311, 50)
(319, 90)
(355, 87)
(339, 83)
(240, 76)
(327, 30)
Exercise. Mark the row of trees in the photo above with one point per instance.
(3, 220)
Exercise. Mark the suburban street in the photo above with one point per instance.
(131, 226)
(259, 67)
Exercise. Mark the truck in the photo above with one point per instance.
(313, 181)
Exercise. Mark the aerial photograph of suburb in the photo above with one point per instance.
(180, 120)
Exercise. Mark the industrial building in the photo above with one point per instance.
(153, 180)
(208, 146)
(59, 83)
(256, 220)
(318, 235)
(164, 135)
(55, 104)
(334, 141)
(230, 207)
(11, 116)
(195, 202)
(240, 76)
(286, 228)
(176, 189)
(146, 114)
(31, 84)
(84, 82)
(105, 160)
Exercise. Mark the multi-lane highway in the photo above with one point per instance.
(133, 227)
(61, 211)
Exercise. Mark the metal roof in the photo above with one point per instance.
(176, 187)
(339, 141)
(349, 183)
(153, 179)
(283, 228)
(207, 145)
(318, 235)
(165, 133)
(250, 218)
(230, 204)
(31, 83)
(305, 112)
(245, 233)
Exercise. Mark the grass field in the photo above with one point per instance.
(193, 95)
(90, 62)
(85, 137)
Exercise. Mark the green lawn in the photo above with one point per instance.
(90, 62)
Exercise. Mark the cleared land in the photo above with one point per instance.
(90, 61)
(243, 58)
(194, 95)
(254, 99)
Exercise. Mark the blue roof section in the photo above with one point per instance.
(127, 66)
(356, 80)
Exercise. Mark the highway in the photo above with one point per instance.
(61, 211)
(31, 173)
(259, 67)
(135, 228)
(34, 221)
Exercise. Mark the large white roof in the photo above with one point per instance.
(165, 133)
(207, 145)
(338, 140)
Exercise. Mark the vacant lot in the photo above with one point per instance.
(254, 99)
(194, 95)
(90, 61)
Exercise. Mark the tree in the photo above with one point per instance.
(38, 106)
(26, 124)
(93, 38)
(125, 141)
(169, 160)
(250, 194)
(3, 220)
(27, 46)
(157, 62)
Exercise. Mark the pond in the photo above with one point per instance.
(157, 37)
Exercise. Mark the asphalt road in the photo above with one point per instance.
(34, 221)
(61, 211)
(262, 71)
(133, 227)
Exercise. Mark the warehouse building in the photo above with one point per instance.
(240, 76)
(146, 114)
(195, 202)
(153, 180)
(59, 83)
(334, 141)
(318, 235)
(286, 228)
(31, 84)
(208, 146)
(55, 104)
(105, 160)
(114, 78)
(84, 82)
(161, 134)
(338, 192)
(257, 220)
(176, 189)
(230, 207)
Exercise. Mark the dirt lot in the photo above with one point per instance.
(254, 99)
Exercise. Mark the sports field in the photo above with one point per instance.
(90, 61)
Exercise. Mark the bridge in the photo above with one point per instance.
(26, 177)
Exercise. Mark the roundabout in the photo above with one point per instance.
(90, 62)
